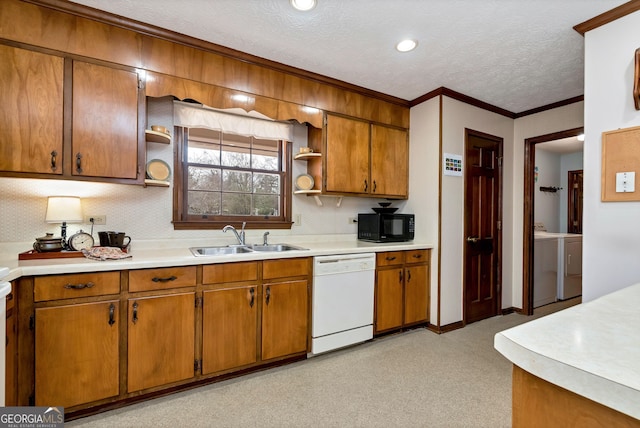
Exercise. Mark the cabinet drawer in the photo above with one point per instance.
(229, 272)
(416, 256)
(75, 285)
(285, 267)
(160, 279)
(389, 258)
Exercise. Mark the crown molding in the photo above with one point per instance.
(607, 17)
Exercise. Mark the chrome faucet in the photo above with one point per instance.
(264, 238)
(239, 236)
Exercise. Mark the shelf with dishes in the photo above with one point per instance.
(158, 135)
(305, 156)
(158, 173)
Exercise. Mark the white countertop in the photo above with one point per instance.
(552, 235)
(592, 349)
(152, 254)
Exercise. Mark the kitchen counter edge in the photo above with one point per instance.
(182, 256)
(592, 349)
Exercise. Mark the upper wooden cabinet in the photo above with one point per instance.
(31, 106)
(105, 122)
(360, 158)
(389, 162)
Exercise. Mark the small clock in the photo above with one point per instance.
(80, 241)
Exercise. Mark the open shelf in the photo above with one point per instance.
(157, 137)
(316, 195)
(307, 156)
(157, 183)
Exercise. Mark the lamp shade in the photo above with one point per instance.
(63, 209)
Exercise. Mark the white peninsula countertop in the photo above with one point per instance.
(592, 349)
(169, 253)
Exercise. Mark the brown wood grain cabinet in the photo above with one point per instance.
(361, 158)
(402, 289)
(105, 137)
(31, 108)
(230, 316)
(161, 340)
(285, 307)
(77, 354)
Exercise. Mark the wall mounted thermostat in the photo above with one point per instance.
(625, 182)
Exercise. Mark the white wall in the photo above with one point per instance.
(611, 242)
(424, 187)
(546, 122)
(547, 204)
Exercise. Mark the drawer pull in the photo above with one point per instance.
(417, 256)
(390, 258)
(171, 278)
(79, 286)
(54, 165)
(135, 313)
(112, 314)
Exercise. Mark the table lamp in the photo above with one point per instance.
(64, 209)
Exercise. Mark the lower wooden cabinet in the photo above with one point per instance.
(161, 340)
(285, 312)
(77, 353)
(229, 328)
(402, 289)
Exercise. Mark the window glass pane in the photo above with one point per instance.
(203, 146)
(266, 183)
(266, 205)
(204, 178)
(236, 181)
(236, 151)
(236, 204)
(266, 155)
(204, 203)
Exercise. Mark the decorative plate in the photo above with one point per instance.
(304, 182)
(158, 170)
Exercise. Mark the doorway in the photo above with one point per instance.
(529, 210)
(482, 226)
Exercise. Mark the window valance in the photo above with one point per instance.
(233, 121)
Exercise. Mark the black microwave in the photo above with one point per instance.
(386, 227)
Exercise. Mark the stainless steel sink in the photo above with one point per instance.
(275, 247)
(219, 251)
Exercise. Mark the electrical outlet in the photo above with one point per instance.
(297, 220)
(97, 219)
(352, 220)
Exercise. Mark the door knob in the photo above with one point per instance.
(472, 239)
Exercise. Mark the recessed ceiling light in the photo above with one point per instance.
(303, 5)
(406, 45)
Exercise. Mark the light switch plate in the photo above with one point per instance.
(625, 182)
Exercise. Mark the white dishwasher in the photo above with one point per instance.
(342, 301)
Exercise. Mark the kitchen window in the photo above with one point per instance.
(228, 178)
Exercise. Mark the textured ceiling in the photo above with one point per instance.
(514, 54)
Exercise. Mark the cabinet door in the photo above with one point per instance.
(105, 122)
(77, 357)
(31, 104)
(416, 294)
(285, 311)
(11, 359)
(389, 162)
(347, 155)
(161, 340)
(389, 299)
(229, 328)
